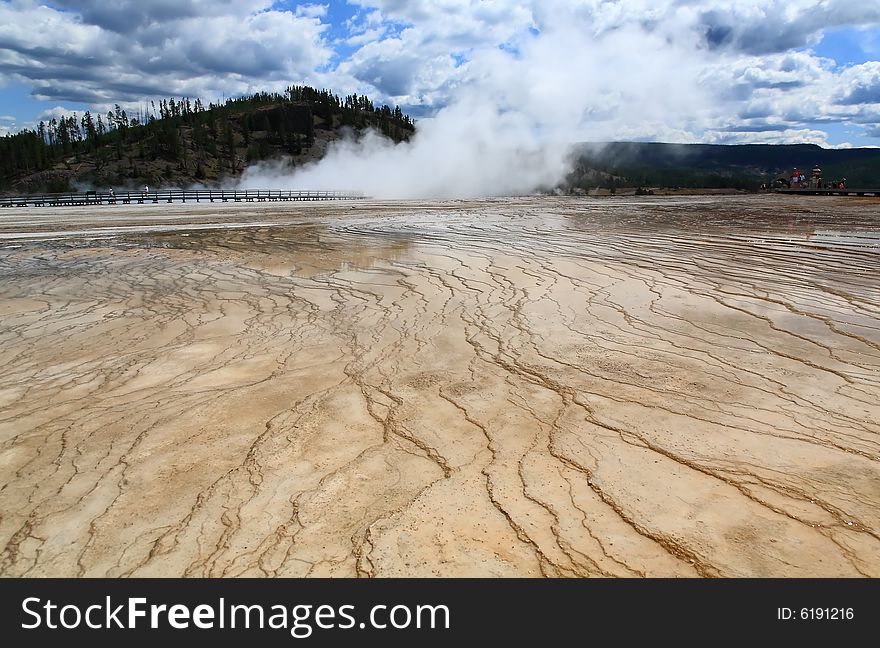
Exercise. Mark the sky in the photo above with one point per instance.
(713, 71)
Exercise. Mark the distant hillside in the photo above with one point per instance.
(635, 164)
(183, 142)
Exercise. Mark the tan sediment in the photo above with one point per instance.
(537, 386)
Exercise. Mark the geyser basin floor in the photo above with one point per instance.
(560, 387)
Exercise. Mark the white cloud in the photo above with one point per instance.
(102, 53)
(54, 113)
(312, 10)
(777, 136)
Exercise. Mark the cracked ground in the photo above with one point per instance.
(512, 387)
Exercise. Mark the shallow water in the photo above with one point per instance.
(535, 386)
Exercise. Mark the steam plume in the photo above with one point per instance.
(511, 122)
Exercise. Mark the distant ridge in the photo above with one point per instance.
(742, 166)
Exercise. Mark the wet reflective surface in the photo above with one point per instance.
(537, 386)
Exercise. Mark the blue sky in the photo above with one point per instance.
(747, 71)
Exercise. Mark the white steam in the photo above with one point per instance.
(513, 118)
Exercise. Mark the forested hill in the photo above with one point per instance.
(179, 142)
(746, 166)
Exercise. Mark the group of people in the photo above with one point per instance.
(800, 181)
(111, 195)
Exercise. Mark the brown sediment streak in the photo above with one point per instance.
(511, 387)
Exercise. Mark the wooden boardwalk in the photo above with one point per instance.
(170, 196)
(809, 191)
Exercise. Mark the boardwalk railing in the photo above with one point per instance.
(169, 196)
(815, 191)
